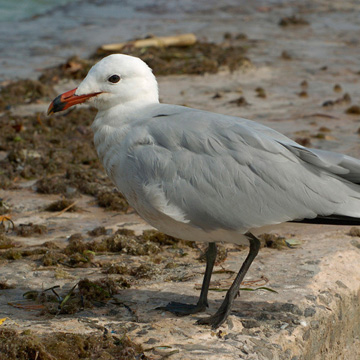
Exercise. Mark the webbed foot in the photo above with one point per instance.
(214, 320)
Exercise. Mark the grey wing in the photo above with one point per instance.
(214, 171)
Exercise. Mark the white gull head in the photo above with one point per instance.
(119, 79)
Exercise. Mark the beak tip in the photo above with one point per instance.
(50, 110)
(68, 99)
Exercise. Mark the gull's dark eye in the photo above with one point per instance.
(114, 79)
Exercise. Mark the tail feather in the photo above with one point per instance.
(332, 220)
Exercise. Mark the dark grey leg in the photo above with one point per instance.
(223, 312)
(181, 309)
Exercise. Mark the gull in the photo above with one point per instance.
(203, 176)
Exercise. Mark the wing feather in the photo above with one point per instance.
(215, 171)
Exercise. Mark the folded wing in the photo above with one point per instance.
(215, 171)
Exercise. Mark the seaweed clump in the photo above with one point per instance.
(6, 242)
(292, 21)
(353, 110)
(127, 244)
(5, 286)
(354, 232)
(112, 200)
(12, 254)
(5, 208)
(146, 271)
(114, 268)
(52, 258)
(98, 231)
(27, 345)
(31, 229)
(78, 252)
(57, 151)
(24, 91)
(241, 101)
(60, 205)
(81, 253)
(83, 295)
(88, 182)
(273, 241)
(99, 290)
(158, 237)
(196, 59)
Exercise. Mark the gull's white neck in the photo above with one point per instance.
(113, 124)
(122, 113)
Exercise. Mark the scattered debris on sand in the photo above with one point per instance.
(353, 110)
(241, 101)
(260, 92)
(293, 21)
(197, 58)
(345, 99)
(286, 55)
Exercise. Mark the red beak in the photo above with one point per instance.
(68, 99)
